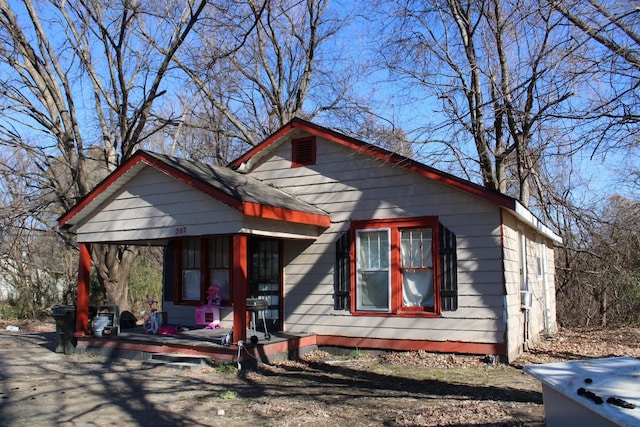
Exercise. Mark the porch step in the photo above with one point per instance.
(178, 361)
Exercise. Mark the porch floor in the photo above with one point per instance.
(135, 344)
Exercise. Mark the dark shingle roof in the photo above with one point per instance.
(238, 186)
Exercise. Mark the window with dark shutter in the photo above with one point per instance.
(449, 270)
(303, 152)
(342, 282)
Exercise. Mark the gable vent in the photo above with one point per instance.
(303, 152)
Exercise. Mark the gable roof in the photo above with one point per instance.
(277, 138)
(296, 125)
(242, 192)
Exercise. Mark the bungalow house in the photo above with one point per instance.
(344, 240)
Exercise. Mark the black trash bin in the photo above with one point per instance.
(65, 317)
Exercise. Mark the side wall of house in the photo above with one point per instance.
(352, 186)
(527, 324)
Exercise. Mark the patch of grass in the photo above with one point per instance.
(226, 368)
(356, 354)
(227, 395)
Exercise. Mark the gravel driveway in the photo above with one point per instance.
(39, 387)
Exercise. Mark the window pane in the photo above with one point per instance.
(374, 290)
(417, 288)
(191, 284)
(221, 278)
(191, 269)
(417, 267)
(219, 252)
(372, 263)
(191, 254)
(415, 247)
(374, 249)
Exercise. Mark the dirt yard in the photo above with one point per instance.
(40, 387)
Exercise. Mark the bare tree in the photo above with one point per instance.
(284, 69)
(599, 274)
(81, 75)
(610, 110)
(498, 72)
(35, 266)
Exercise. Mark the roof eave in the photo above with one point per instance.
(283, 214)
(75, 216)
(529, 218)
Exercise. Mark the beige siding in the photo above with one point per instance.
(155, 206)
(351, 186)
(526, 326)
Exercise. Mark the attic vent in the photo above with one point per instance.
(303, 152)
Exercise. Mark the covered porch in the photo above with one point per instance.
(157, 200)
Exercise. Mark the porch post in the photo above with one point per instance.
(240, 285)
(82, 303)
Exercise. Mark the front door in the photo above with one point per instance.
(265, 278)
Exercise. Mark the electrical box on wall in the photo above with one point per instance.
(525, 299)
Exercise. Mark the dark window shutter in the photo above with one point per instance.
(342, 282)
(448, 270)
(168, 271)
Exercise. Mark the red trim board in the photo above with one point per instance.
(247, 208)
(460, 347)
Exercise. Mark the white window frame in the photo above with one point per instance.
(523, 261)
(359, 286)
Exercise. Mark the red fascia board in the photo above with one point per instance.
(248, 208)
(264, 144)
(141, 156)
(382, 154)
(282, 214)
(103, 185)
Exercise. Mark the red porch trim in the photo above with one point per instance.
(247, 208)
(82, 303)
(104, 184)
(459, 347)
(240, 286)
(119, 344)
(270, 212)
(141, 156)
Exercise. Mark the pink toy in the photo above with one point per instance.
(213, 294)
(213, 325)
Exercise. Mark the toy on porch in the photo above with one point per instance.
(213, 295)
(151, 325)
(209, 315)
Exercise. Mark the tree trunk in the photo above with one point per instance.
(113, 265)
(603, 308)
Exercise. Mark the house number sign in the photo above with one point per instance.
(181, 230)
